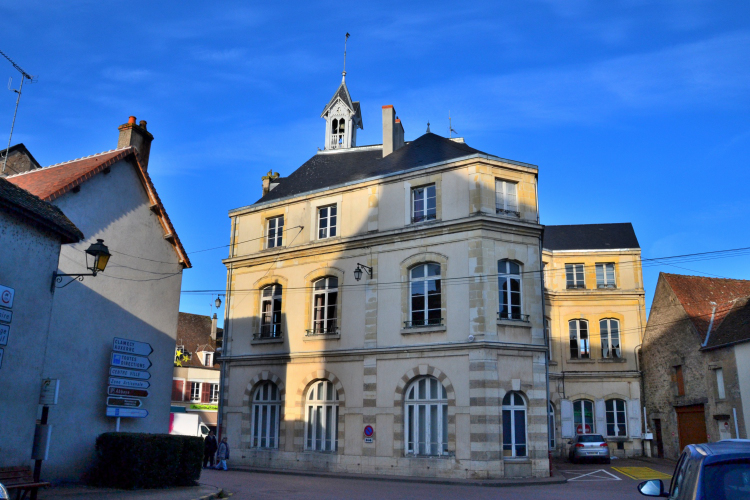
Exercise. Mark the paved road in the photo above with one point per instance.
(585, 481)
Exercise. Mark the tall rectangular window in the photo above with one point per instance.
(509, 286)
(679, 381)
(506, 197)
(720, 383)
(574, 276)
(275, 231)
(195, 391)
(423, 203)
(605, 275)
(214, 393)
(208, 359)
(327, 222)
(579, 339)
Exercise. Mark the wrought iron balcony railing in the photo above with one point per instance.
(268, 332)
(320, 331)
(423, 322)
(512, 316)
(422, 218)
(576, 285)
(606, 285)
(503, 211)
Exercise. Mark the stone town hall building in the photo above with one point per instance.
(385, 311)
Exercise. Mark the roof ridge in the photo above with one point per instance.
(703, 277)
(69, 161)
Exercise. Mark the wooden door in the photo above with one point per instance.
(691, 425)
(659, 440)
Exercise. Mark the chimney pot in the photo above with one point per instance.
(131, 120)
(142, 124)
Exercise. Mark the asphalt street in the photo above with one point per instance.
(585, 481)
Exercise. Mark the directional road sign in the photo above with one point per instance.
(128, 361)
(125, 402)
(126, 412)
(125, 391)
(6, 315)
(124, 372)
(4, 334)
(124, 382)
(131, 347)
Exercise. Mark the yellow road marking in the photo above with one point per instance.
(642, 473)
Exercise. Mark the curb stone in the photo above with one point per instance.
(212, 496)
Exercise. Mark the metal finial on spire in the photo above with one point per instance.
(428, 127)
(343, 74)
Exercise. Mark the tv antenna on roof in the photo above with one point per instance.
(450, 127)
(24, 76)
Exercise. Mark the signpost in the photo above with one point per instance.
(7, 295)
(4, 334)
(6, 316)
(127, 382)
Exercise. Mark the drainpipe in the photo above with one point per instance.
(710, 324)
(546, 342)
(225, 339)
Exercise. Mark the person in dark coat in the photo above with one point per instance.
(209, 448)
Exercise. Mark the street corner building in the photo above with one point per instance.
(696, 353)
(109, 197)
(385, 311)
(594, 318)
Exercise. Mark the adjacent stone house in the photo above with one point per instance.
(195, 384)
(19, 160)
(109, 196)
(31, 233)
(384, 311)
(594, 315)
(696, 351)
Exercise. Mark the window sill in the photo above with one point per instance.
(581, 361)
(611, 360)
(430, 457)
(514, 322)
(620, 439)
(329, 238)
(266, 249)
(517, 460)
(267, 341)
(423, 329)
(313, 338)
(421, 222)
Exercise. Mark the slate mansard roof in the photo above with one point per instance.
(19, 201)
(590, 237)
(331, 168)
(727, 300)
(54, 181)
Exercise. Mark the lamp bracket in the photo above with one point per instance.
(368, 269)
(58, 277)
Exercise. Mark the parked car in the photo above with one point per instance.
(588, 447)
(715, 471)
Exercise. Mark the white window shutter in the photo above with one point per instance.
(634, 417)
(566, 417)
(511, 196)
(600, 416)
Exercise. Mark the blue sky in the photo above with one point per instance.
(634, 110)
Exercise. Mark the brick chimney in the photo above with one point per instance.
(214, 321)
(136, 135)
(393, 131)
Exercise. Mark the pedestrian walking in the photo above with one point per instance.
(223, 454)
(209, 449)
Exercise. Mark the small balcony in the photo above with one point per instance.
(513, 316)
(323, 329)
(268, 332)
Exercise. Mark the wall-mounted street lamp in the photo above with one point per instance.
(218, 302)
(96, 263)
(359, 269)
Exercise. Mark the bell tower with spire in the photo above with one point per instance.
(342, 115)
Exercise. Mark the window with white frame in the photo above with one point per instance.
(509, 285)
(208, 358)
(617, 424)
(195, 392)
(425, 306)
(580, 348)
(506, 197)
(327, 222)
(325, 296)
(426, 408)
(321, 417)
(423, 203)
(274, 231)
(574, 276)
(270, 311)
(214, 393)
(514, 426)
(609, 331)
(265, 412)
(583, 416)
(551, 426)
(605, 275)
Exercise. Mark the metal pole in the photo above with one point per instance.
(736, 425)
(18, 99)
(38, 463)
(117, 425)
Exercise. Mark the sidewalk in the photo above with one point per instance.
(557, 478)
(201, 492)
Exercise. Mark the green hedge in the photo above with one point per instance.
(135, 461)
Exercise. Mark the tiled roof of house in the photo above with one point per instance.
(619, 235)
(327, 169)
(194, 333)
(699, 295)
(52, 182)
(31, 207)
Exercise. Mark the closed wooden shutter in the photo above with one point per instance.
(205, 393)
(601, 417)
(634, 418)
(566, 418)
(177, 390)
